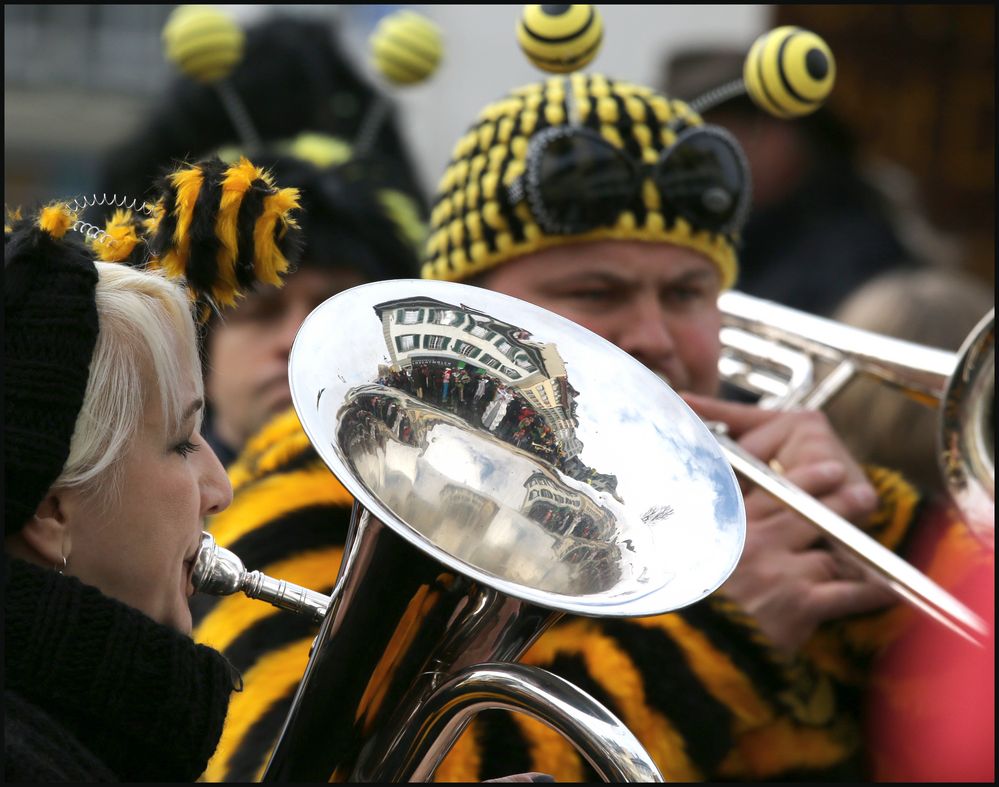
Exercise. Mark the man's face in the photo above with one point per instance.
(246, 376)
(658, 302)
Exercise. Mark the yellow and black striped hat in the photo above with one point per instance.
(217, 227)
(480, 217)
(474, 226)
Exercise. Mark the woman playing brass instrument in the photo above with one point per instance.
(108, 479)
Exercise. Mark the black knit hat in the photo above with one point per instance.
(50, 329)
(295, 75)
(350, 218)
(239, 230)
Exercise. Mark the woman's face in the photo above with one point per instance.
(140, 547)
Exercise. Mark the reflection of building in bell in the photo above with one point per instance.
(565, 511)
(490, 374)
(425, 331)
(553, 398)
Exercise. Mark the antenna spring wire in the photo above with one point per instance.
(717, 96)
(81, 203)
(92, 232)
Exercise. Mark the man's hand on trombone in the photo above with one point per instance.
(788, 578)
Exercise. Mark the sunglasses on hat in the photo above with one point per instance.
(575, 180)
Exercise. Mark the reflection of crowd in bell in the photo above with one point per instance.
(478, 397)
(562, 521)
(361, 421)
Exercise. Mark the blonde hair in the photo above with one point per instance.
(930, 307)
(146, 334)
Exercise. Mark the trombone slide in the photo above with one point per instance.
(904, 580)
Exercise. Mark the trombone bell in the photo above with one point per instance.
(967, 430)
(773, 351)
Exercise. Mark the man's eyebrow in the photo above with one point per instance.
(612, 277)
(615, 277)
(623, 279)
(692, 275)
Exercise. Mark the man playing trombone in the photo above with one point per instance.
(620, 209)
(564, 219)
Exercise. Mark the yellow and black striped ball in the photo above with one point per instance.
(406, 47)
(205, 43)
(560, 38)
(789, 72)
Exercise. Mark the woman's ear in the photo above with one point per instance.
(47, 533)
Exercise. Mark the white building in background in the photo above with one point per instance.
(427, 331)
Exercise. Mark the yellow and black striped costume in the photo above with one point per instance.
(701, 688)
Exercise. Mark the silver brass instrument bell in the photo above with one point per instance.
(508, 466)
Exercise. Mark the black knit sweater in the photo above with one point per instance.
(97, 691)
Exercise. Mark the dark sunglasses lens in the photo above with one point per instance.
(703, 178)
(584, 182)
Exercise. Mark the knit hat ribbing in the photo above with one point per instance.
(474, 226)
(50, 330)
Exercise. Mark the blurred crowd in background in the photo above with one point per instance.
(913, 105)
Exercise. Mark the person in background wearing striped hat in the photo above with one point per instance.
(299, 105)
(354, 231)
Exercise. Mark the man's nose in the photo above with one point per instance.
(287, 329)
(646, 335)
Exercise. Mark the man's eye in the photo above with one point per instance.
(684, 294)
(592, 294)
